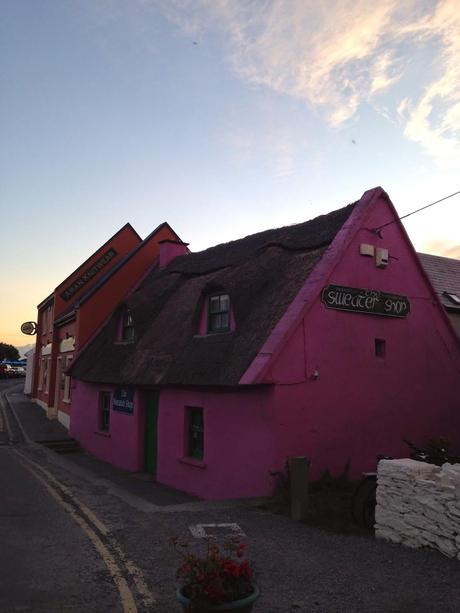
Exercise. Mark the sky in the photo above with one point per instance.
(222, 117)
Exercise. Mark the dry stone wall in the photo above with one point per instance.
(418, 505)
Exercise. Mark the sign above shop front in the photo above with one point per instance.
(370, 301)
(83, 279)
(123, 400)
(29, 327)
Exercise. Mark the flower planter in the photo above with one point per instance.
(241, 606)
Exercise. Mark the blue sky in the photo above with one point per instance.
(223, 117)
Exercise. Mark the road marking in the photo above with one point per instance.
(126, 596)
(4, 416)
(199, 530)
(87, 523)
(4, 399)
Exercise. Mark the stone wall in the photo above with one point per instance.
(418, 505)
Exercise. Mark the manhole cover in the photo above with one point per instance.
(202, 531)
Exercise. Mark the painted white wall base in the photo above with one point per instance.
(41, 404)
(64, 419)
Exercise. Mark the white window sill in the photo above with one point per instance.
(102, 433)
(208, 334)
(193, 462)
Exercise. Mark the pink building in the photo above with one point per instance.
(324, 339)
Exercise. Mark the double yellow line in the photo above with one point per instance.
(119, 566)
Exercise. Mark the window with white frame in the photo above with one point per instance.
(40, 375)
(45, 378)
(104, 411)
(127, 327)
(195, 432)
(219, 313)
(61, 362)
(67, 361)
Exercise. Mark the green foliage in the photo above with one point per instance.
(8, 352)
(436, 451)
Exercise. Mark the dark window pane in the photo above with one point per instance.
(214, 304)
(219, 313)
(380, 347)
(127, 333)
(224, 303)
(104, 403)
(195, 433)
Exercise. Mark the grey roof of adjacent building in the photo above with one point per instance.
(444, 274)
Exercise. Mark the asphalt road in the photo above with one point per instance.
(49, 560)
(47, 563)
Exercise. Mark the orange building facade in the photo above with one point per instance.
(69, 318)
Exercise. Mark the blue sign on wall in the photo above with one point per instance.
(123, 400)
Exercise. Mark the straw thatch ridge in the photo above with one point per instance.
(262, 273)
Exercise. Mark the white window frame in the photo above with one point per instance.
(45, 376)
(67, 381)
(40, 374)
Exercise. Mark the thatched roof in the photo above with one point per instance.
(262, 273)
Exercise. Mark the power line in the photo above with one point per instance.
(377, 230)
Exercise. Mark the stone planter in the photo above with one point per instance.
(240, 606)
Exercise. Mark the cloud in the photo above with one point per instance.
(439, 247)
(338, 55)
(434, 120)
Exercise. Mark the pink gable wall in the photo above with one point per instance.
(238, 446)
(361, 405)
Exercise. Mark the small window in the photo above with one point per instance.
(67, 379)
(219, 313)
(104, 411)
(380, 347)
(61, 369)
(453, 298)
(195, 433)
(45, 374)
(127, 327)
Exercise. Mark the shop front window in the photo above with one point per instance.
(104, 411)
(195, 433)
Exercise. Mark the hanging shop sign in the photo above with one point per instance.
(123, 400)
(29, 327)
(370, 301)
(83, 279)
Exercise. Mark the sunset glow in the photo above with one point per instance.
(222, 117)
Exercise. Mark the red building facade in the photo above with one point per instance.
(70, 316)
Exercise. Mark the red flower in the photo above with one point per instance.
(218, 576)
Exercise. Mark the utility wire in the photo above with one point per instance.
(377, 230)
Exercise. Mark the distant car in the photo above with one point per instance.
(6, 371)
(18, 371)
